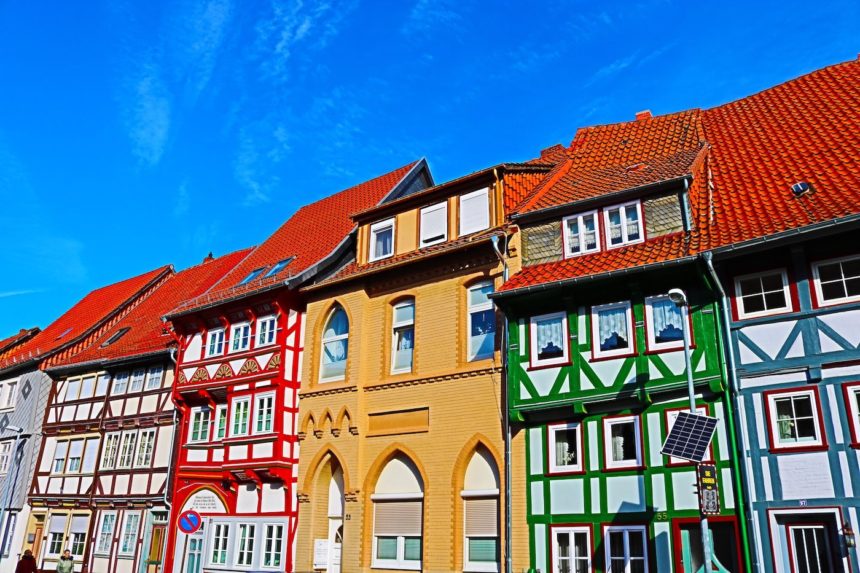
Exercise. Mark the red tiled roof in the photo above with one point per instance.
(144, 331)
(7, 343)
(88, 313)
(311, 234)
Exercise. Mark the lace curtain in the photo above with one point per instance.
(613, 328)
(549, 338)
(667, 321)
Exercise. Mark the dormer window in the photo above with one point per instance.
(474, 212)
(580, 234)
(382, 240)
(623, 224)
(434, 224)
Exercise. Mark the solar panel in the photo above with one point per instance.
(690, 437)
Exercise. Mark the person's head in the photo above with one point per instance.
(67, 554)
(28, 553)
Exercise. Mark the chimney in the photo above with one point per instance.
(643, 115)
(209, 257)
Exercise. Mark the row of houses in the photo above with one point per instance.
(478, 375)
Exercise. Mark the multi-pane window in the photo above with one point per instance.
(403, 336)
(120, 383)
(154, 377)
(279, 266)
(549, 339)
(382, 240)
(273, 545)
(397, 534)
(220, 422)
(626, 549)
(571, 550)
(474, 212)
(220, 539)
(623, 224)
(241, 414)
(852, 399)
(267, 328)
(612, 329)
(245, 544)
(106, 532)
(56, 533)
(60, 457)
(102, 384)
(794, 419)
(215, 346)
(335, 346)
(622, 446)
(663, 323)
(9, 530)
(762, 294)
(126, 450)
(837, 280)
(481, 526)
(482, 321)
(434, 224)
(200, 425)
(129, 533)
(263, 413)
(111, 451)
(5, 456)
(580, 234)
(78, 534)
(87, 386)
(73, 388)
(76, 456)
(9, 394)
(145, 446)
(240, 337)
(137, 378)
(565, 447)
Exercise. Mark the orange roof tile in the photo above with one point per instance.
(19, 337)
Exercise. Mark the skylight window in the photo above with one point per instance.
(65, 332)
(254, 274)
(116, 336)
(279, 266)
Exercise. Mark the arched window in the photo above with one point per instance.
(335, 346)
(481, 514)
(402, 336)
(398, 514)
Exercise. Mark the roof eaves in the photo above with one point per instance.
(103, 362)
(831, 225)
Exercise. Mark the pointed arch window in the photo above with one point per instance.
(398, 516)
(335, 346)
(481, 514)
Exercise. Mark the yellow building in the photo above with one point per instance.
(401, 402)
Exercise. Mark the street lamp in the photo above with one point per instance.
(4, 503)
(679, 298)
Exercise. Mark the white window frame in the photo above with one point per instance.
(80, 459)
(121, 551)
(54, 458)
(121, 379)
(100, 548)
(217, 422)
(246, 400)
(201, 412)
(816, 280)
(154, 373)
(215, 337)
(376, 228)
(67, 396)
(651, 330)
(138, 380)
(626, 529)
(220, 543)
(10, 394)
(271, 330)
(739, 299)
(474, 309)
(622, 209)
(110, 451)
(479, 566)
(434, 239)
(580, 218)
(276, 541)
(773, 422)
(257, 409)
(852, 392)
(571, 530)
(401, 325)
(333, 338)
(150, 454)
(132, 450)
(466, 196)
(239, 332)
(607, 443)
(595, 330)
(551, 443)
(5, 456)
(250, 546)
(66, 517)
(400, 562)
(77, 540)
(533, 340)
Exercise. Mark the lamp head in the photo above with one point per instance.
(677, 296)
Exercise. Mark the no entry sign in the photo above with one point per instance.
(189, 521)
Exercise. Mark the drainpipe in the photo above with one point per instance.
(168, 481)
(506, 422)
(742, 481)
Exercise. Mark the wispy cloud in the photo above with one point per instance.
(251, 170)
(428, 15)
(196, 39)
(148, 114)
(611, 69)
(183, 200)
(11, 293)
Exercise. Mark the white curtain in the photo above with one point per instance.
(549, 336)
(383, 240)
(667, 320)
(613, 321)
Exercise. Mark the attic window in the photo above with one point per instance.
(116, 336)
(254, 274)
(279, 266)
(634, 167)
(65, 332)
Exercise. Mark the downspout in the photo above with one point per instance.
(742, 481)
(168, 479)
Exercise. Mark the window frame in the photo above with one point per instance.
(133, 450)
(123, 532)
(402, 325)
(151, 375)
(622, 207)
(552, 467)
(203, 412)
(250, 547)
(137, 449)
(257, 399)
(234, 337)
(114, 453)
(210, 335)
(816, 282)
(643, 529)
(265, 553)
(651, 343)
(460, 230)
(80, 459)
(217, 422)
(422, 240)
(123, 376)
(741, 312)
(849, 390)
(224, 526)
(99, 549)
(608, 463)
(472, 354)
(399, 562)
(594, 317)
(564, 359)
(271, 330)
(5, 456)
(770, 398)
(480, 566)
(376, 228)
(10, 394)
(243, 399)
(334, 338)
(67, 444)
(137, 374)
(565, 230)
(569, 528)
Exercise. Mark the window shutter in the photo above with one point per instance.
(397, 518)
(474, 212)
(62, 449)
(434, 223)
(58, 524)
(79, 524)
(90, 454)
(482, 517)
(77, 449)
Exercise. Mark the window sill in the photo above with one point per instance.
(565, 472)
(538, 366)
(397, 566)
(798, 449)
(481, 568)
(600, 358)
(635, 468)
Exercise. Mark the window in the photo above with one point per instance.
(623, 224)
(671, 417)
(137, 378)
(10, 394)
(382, 240)
(73, 388)
(565, 448)
(852, 403)
(115, 336)
(240, 337)
(9, 531)
(245, 544)
(129, 533)
(78, 534)
(87, 387)
(102, 384)
(241, 414)
(580, 234)
(549, 343)
(5, 455)
(474, 212)
(273, 545)
(403, 336)
(481, 514)
(279, 266)
(612, 329)
(837, 280)
(154, 377)
(794, 419)
(199, 425)
(91, 452)
(267, 328)
(434, 224)
(106, 532)
(762, 294)
(398, 519)
(263, 411)
(120, 383)
(76, 455)
(215, 347)
(56, 533)
(622, 446)
(625, 549)
(60, 457)
(571, 550)
(252, 275)
(482, 321)
(126, 450)
(663, 323)
(220, 422)
(111, 450)
(220, 539)
(811, 547)
(335, 346)
(145, 446)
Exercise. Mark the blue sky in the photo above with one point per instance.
(138, 134)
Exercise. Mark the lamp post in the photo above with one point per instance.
(4, 503)
(679, 298)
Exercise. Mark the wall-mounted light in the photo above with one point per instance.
(848, 532)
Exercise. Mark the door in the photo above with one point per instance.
(723, 542)
(810, 548)
(37, 541)
(156, 548)
(194, 555)
(335, 544)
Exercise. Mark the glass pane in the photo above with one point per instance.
(805, 429)
(483, 550)
(851, 268)
(830, 272)
(771, 282)
(753, 303)
(802, 406)
(852, 287)
(573, 235)
(615, 227)
(382, 245)
(631, 214)
(412, 549)
(483, 329)
(549, 338)
(832, 291)
(590, 235)
(775, 300)
(478, 294)
(404, 313)
(562, 541)
(750, 286)
(637, 544)
(334, 358)
(337, 325)
(403, 343)
(612, 324)
(566, 444)
(616, 544)
(623, 437)
(667, 321)
(580, 543)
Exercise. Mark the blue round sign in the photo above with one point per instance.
(189, 521)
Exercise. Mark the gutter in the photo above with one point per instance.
(63, 369)
(765, 241)
(167, 490)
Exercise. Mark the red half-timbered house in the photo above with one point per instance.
(237, 383)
